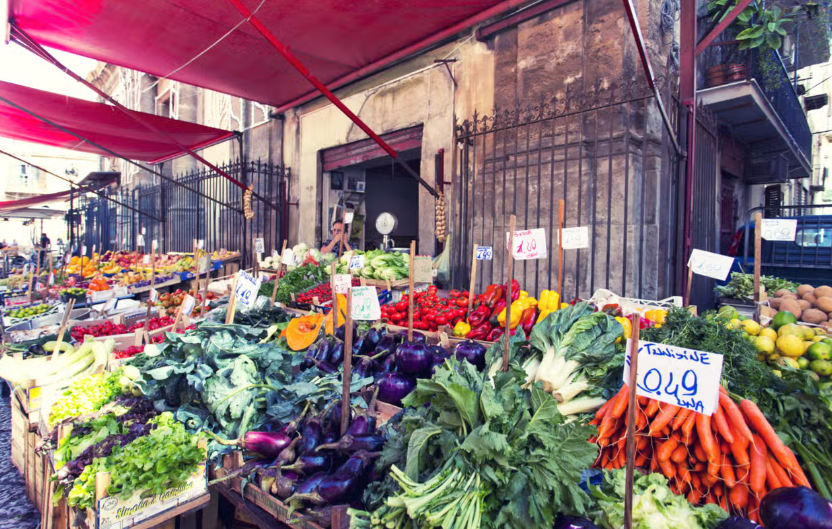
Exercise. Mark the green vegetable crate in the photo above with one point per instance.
(142, 511)
(272, 505)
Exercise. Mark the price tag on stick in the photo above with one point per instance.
(779, 229)
(365, 304)
(575, 238)
(357, 262)
(342, 283)
(247, 288)
(710, 264)
(288, 257)
(154, 295)
(678, 376)
(259, 245)
(422, 269)
(529, 244)
(485, 253)
(188, 305)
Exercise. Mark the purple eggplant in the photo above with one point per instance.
(323, 353)
(354, 443)
(373, 337)
(362, 424)
(267, 444)
(342, 486)
(308, 464)
(285, 484)
(330, 437)
(384, 346)
(439, 351)
(387, 365)
(336, 355)
(311, 483)
(365, 368)
(309, 358)
(393, 387)
(310, 434)
(471, 351)
(788, 507)
(287, 455)
(326, 367)
(414, 358)
(573, 522)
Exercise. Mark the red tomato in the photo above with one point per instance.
(401, 306)
(462, 302)
(429, 317)
(441, 320)
(454, 293)
(397, 317)
(465, 294)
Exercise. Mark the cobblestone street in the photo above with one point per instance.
(16, 511)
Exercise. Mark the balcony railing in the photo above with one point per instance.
(725, 63)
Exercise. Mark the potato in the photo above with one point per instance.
(824, 304)
(784, 292)
(791, 305)
(804, 305)
(810, 297)
(814, 316)
(789, 296)
(775, 303)
(823, 292)
(802, 290)
(768, 312)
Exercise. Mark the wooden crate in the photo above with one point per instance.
(20, 429)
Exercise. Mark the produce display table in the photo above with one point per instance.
(250, 511)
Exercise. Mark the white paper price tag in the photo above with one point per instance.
(124, 241)
(357, 262)
(678, 376)
(204, 265)
(247, 289)
(144, 230)
(188, 305)
(529, 244)
(140, 242)
(93, 249)
(342, 283)
(365, 304)
(200, 244)
(710, 264)
(83, 250)
(259, 245)
(485, 253)
(288, 257)
(576, 238)
(422, 269)
(51, 280)
(67, 258)
(779, 229)
(154, 245)
(146, 259)
(154, 295)
(348, 217)
(110, 304)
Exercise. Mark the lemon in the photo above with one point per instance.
(820, 331)
(808, 333)
(751, 327)
(819, 351)
(803, 362)
(790, 346)
(734, 323)
(790, 329)
(769, 333)
(764, 344)
(817, 339)
(791, 362)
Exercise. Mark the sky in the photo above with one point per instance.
(23, 67)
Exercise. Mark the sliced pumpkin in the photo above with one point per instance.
(302, 332)
(342, 314)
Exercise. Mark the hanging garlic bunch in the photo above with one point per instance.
(248, 212)
(440, 218)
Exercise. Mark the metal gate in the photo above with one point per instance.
(605, 153)
(183, 215)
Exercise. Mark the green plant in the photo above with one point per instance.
(759, 27)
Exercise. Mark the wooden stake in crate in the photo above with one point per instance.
(345, 393)
(509, 285)
(232, 303)
(758, 257)
(631, 424)
(410, 294)
(67, 313)
(473, 279)
(279, 268)
(561, 214)
(334, 297)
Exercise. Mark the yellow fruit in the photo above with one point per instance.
(808, 332)
(820, 331)
(791, 362)
(751, 327)
(790, 330)
(734, 324)
(764, 344)
(817, 339)
(790, 346)
(768, 332)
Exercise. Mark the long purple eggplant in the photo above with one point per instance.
(311, 483)
(355, 443)
(285, 484)
(336, 354)
(308, 464)
(267, 444)
(342, 486)
(310, 433)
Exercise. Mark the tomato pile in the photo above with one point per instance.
(174, 299)
(429, 310)
(105, 329)
(153, 324)
(323, 292)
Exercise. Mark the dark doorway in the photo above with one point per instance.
(391, 190)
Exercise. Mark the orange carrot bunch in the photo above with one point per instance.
(732, 458)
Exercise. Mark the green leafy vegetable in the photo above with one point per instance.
(741, 286)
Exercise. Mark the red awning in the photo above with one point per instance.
(167, 38)
(102, 124)
(38, 200)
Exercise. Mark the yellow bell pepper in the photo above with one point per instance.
(517, 308)
(657, 316)
(461, 329)
(543, 314)
(628, 327)
(549, 300)
(523, 294)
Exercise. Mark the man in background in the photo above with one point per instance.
(337, 236)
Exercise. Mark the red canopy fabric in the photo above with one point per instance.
(332, 38)
(39, 200)
(102, 124)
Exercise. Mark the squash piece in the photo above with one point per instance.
(302, 332)
(342, 315)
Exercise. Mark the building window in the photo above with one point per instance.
(167, 102)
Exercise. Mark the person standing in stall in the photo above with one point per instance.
(338, 234)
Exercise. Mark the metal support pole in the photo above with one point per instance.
(687, 86)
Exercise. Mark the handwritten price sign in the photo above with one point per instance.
(188, 305)
(485, 253)
(710, 264)
(529, 244)
(365, 304)
(575, 238)
(357, 262)
(422, 269)
(678, 376)
(259, 245)
(342, 282)
(154, 295)
(247, 289)
(288, 257)
(779, 229)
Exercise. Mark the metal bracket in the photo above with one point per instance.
(445, 62)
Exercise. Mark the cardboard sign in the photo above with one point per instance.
(259, 245)
(779, 229)
(288, 257)
(576, 238)
(348, 216)
(678, 376)
(154, 295)
(357, 262)
(365, 304)
(710, 264)
(422, 269)
(188, 304)
(529, 244)
(247, 289)
(342, 283)
(485, 253)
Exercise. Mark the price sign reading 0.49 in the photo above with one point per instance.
(529, 244)
(678, 376)
(247, 289)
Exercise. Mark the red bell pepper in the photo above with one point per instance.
(495, 313)
(528, 319)
(493, 294)
(515, 290)
(479, 315)
(495, 334)
(479, 332)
